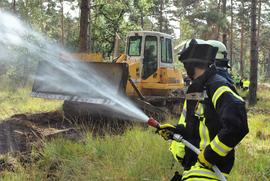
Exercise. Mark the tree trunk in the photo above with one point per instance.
(224, 35)
(94, 19)
(218, 29)
(259, 21)
(142, 20)
(62, 22)
(259, 25)
(14, 6)
(41, 8)
(242, 50)
(231, 38)
(253, 56)
(116, 49)
(161, 16)
(90, 28)
(267, 67)
(84, 22)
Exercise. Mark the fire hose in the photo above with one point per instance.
(177, 137)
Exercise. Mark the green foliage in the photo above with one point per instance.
(140, 10)
(204, 17)
(186, 29)
(4, 4)
(107, 20)
(17, 72)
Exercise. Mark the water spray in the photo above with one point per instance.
(179, 138)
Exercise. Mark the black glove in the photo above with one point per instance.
(167, 130)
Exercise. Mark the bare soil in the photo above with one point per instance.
(21, 131)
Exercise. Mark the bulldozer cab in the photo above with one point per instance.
(152, 49)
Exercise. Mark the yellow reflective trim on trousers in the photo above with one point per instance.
(219, 147)
(200, 172)
(220, 91)
(199, 179)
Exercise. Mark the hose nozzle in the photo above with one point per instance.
(152, 122)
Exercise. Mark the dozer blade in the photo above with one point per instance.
(89, 82)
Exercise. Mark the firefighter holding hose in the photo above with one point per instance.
(213, 118)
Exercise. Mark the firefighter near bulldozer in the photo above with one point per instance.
(213, 118)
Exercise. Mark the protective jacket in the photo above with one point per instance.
(215, 119)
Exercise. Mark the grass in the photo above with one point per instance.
(139, 154)
(264, 98)
(136, 155)
(253, 154)
(20, 102)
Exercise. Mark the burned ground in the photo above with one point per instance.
(21, 131)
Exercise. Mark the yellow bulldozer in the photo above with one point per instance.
(145, 73)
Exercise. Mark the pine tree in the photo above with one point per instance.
(253, 56)
(84, 29)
